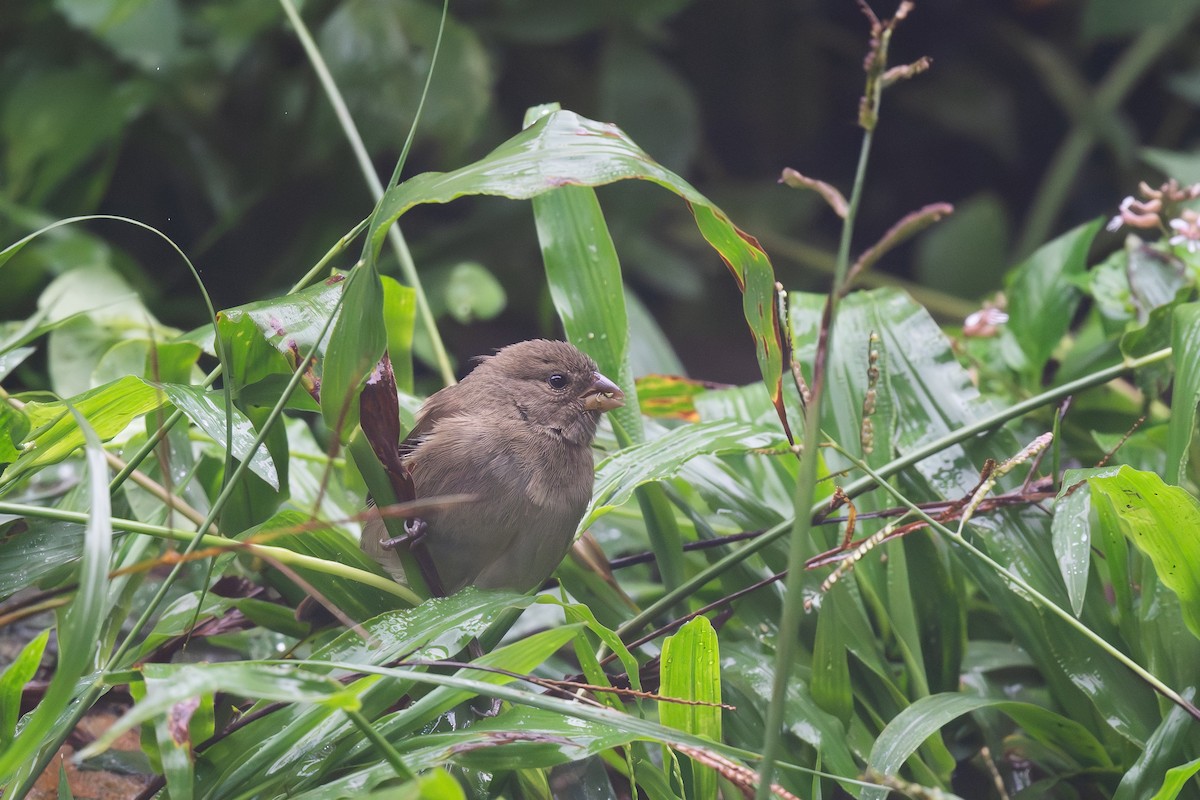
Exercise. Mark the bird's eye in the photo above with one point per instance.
(557, 381)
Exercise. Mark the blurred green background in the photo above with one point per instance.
(205, 120)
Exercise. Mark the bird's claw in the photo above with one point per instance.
(414, 531)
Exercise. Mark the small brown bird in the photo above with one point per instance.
(516, 434)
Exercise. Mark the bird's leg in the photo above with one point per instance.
(415, 530)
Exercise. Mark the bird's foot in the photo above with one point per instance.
(415, 529)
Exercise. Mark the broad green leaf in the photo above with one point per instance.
(78, 643)
(520, 738)
(207, 410)
(147, 33)
(378, 54)
(747, 676)
(521, 656)
(1041, 295)
(1177, 778)
(286, 326)
(691, 671)
(1161, 520)
(467, 291)
(924, 718)
(1185, 346)
(87, 311)
(670, 396)
(41, 550)
(55, 119)
(563, 149)
(830, 685)
(1073, 539)
(108, 410)
(658, 459)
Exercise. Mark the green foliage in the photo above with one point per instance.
(979, 600)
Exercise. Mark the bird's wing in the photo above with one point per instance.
(437, 406)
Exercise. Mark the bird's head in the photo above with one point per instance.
(551, 385)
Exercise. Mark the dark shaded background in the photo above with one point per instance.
(206, 121)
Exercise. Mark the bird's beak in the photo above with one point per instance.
(602, 395)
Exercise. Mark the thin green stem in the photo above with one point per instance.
(403, 255)
(338, 246)
(384, 747)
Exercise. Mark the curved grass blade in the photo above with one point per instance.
(619, 475)
(78, 640)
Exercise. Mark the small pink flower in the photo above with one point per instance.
(1187, 230)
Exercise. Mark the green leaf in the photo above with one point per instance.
(658, 459)
(399, 315)
(691, 670)
(933, 395)
(466, 290)
(54, 120)
(269, 336)
(654, 103)
(207, 410)
(1072, 534)
(108, 410)
(545, 739)
(11, 359)
(13, 680)
(1185, 344)
(1177, 778)
(563, 149)
(1042, 295)
(147, 33)
(1153, 767)
(924, 718)
(1161, 520)
(357, 343)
